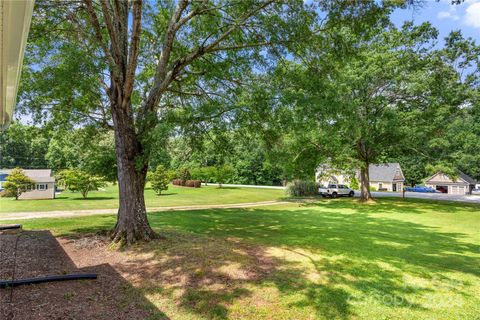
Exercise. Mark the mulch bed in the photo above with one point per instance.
(38, 253)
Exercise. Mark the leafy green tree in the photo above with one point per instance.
(23, 146)
(159, 179)
(445, 134)
(362, 108)
(98, 156)
(354, 183)
(223, 174)
(152, 60)
(17, 183)
(64, 150)
(80, 181)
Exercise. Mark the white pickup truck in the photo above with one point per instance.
(336, 190)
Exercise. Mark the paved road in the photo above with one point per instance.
(431, 196)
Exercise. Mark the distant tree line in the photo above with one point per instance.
(244, 158)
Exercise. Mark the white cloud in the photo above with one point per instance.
(447, 15)
(472, 15)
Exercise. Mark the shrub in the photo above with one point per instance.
(178, 182)
(187, 183)
(183, 174)
(372, 188)
(300, 188)
(193, 183)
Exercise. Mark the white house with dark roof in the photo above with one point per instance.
(386, 177)
(442, 182)
(383, 177)
(44, 183)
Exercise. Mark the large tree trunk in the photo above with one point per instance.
(132, 162)
(365, 194)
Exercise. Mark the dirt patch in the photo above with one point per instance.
(194, 274)
(39, 254)
(183, 275)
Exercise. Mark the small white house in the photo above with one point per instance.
(44, 183)
(383, 177)
(463, 184)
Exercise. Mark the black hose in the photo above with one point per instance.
(12, 226)
(20, 282)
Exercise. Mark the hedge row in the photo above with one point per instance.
(187, 183)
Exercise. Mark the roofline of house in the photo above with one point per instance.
(15, 18)
(459, 178)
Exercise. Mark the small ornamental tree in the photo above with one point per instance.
(80, 181)
(223, 173)
(17, 183)
(159, 179)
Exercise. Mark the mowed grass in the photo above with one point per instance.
(174, 196)
(331, 259)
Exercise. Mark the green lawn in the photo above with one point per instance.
(174, 196)
(334, 259)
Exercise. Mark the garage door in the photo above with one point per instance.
(457, 190)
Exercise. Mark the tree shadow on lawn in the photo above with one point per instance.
(351, 249)
(212, 259)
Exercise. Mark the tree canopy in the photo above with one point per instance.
(265, 88)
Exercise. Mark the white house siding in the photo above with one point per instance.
(48, 193)
(386, 186)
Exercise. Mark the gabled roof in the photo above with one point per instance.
(386, 172)
(37, 175)
(467, 178)
(461, 175)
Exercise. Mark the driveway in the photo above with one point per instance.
(429, 196)
(77, 213)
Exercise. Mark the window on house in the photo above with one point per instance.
(380, 186)
(41, 187)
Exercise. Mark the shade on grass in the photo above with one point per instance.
(174, 196)
(334, 259)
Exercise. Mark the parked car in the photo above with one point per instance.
(336, 190)
(420, 189)
(476, 191)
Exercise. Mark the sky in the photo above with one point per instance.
(445, 17)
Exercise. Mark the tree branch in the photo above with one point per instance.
(134, 46)
(98, 34)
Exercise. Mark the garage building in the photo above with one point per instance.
(440, 181)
